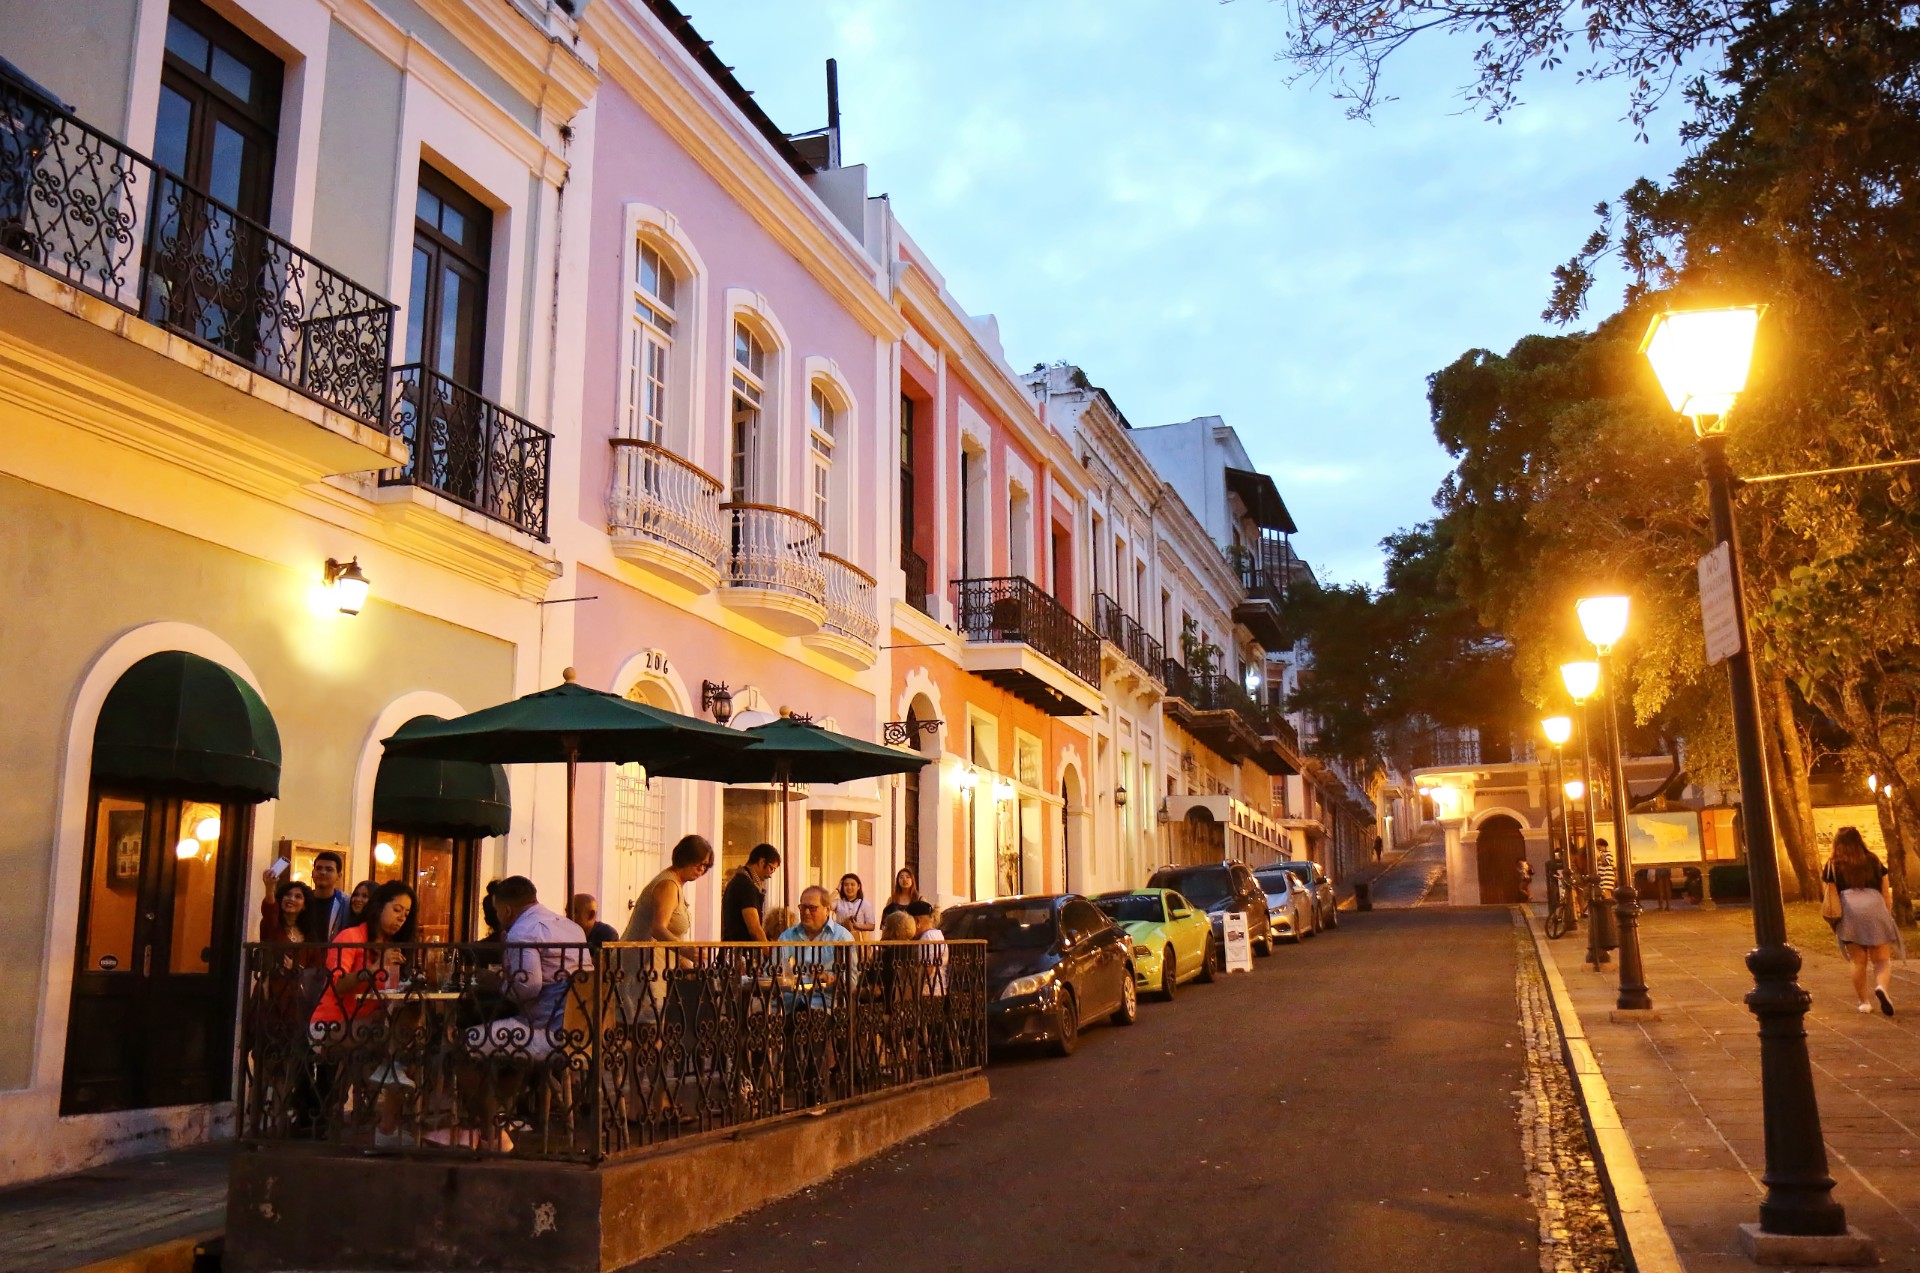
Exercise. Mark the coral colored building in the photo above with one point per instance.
(985, 634)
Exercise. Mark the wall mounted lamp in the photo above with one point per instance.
(1120, 796)
(348, 584)
(715, 697)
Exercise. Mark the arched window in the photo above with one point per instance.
(651, 321)
(748, 415)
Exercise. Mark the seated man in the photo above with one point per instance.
(811, 965)
(534, 981)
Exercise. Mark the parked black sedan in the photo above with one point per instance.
(1054, 964)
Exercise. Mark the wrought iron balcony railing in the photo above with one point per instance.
(619, 1048)
(775, 549)
(1014, 609)
(850, 601)
(666, 498)
(78, 205)
(1179, 681)
(1262, 583)
(1117, 626)
(469, 450)
(914, 566)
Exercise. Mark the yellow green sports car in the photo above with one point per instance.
(1172, 938)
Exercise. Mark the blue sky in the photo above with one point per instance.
(1134, 186)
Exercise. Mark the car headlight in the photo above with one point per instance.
(1027, 985)
(1141, 952)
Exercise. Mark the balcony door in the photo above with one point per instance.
(217, 129)
(437, 391)
(447, 299)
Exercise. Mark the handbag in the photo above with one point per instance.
(1830, 909)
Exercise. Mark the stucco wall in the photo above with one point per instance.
(86, 575)
(83, 52)
(354, 198)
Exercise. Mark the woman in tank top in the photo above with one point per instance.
(661, 913)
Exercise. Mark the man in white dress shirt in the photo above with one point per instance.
(535, 980)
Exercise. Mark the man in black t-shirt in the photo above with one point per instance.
(745, 892)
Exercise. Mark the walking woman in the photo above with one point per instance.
(1865, 927)
(906, 891)
(852, 909)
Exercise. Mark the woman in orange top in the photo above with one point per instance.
(362, 961)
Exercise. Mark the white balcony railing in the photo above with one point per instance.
(660, 496)
(775, 550)
(850, 601)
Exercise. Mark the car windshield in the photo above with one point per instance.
(1302, 869)
(1208, 890)
(1010, 926)
(1125, 907)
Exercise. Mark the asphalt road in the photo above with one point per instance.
(1350, 1105)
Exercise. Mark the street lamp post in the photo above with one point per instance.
(1604, 620)
(1582, 678)
(1701, 359)
(1558, 730)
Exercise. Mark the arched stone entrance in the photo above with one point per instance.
(1500, 848)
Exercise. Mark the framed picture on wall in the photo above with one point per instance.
(126, 838)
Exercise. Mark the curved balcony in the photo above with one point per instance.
(851, 632)
(774, 572)
(663, 515)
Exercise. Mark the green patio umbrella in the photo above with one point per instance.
(791, 750)
(568, 724)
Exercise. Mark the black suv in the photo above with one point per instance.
(1217, 888)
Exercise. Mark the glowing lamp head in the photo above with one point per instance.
(1575, 788)
(207, 830)
(187, 848)
(1701, 358)
(383, 854)
(349, 585)
(1873, 782)
(1581, 679)
(1603, 619)
(967, 780)
(1253, 680)
(1003, 789)
(1557, 729)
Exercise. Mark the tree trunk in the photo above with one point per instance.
(1893, 835)
(1792, 792)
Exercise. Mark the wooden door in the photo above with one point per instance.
(1501, 848)
(156, 955)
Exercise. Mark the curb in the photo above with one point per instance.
(172, 1256)
(1647, 1244)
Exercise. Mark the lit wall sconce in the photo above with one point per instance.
(967, 780)
(1253, 681)
(715, 697)
(383, 854)
(349, 585)
(187, 848)
(1003, 789)
(1120, 797)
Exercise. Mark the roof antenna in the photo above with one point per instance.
(833, 113)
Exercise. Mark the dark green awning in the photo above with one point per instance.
(179, 721)
(460, 798)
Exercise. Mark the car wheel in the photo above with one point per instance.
(1264, 947)
(1129, 1010)
(1068, 1036)
(1333, 916)
(1169, 974)
(1209, 966)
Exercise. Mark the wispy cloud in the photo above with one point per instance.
(1133, 185)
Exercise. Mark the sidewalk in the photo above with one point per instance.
(142, 1215)
(1687, 1087)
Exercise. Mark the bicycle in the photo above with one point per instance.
(1561, 919)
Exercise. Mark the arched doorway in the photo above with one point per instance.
(1075, 869)
(182, 752)
(1501, 847)
(639, 823)
(429, 818)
